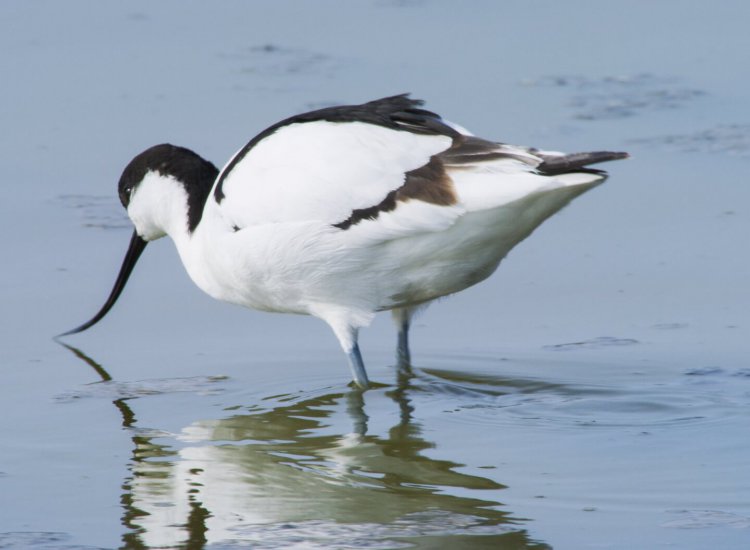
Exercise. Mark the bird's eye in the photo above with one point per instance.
(126, 194)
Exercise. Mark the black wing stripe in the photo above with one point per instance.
(429, 183)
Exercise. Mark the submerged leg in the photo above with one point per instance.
(402, 318)
(357, 366)
(345, 323)
(403, 355)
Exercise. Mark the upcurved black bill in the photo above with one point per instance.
(131, 257)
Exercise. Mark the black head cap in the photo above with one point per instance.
(194, 172)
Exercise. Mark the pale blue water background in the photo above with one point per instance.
(594, 393)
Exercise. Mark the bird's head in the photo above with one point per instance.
(164, 190)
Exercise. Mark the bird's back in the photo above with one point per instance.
(379, 205)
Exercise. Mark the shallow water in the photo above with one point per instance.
(594, 393)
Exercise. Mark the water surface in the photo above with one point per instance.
(594, 393)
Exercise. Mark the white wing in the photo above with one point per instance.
(322, 171)
(384, 169)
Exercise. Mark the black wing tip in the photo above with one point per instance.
(616, 155)
(570, 163)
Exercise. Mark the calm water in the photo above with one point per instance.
(594, 393)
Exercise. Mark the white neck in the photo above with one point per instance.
(159, 207)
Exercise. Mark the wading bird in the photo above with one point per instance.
(346, 211)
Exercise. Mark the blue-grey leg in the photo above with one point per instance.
(358, 367)
(402, 317)
(347, 332)
(403, 355)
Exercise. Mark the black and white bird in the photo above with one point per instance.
(346, 211)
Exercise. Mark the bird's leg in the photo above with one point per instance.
(345, 326)
(402, 318)
(357, 366)
(403, 355)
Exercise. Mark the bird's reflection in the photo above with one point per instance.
(285, 473)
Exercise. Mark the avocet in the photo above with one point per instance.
(346, 211)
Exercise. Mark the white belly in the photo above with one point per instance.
(299, 267)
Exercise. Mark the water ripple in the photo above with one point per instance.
(612, 97)
(497, 400)
(112, 389)
(702, 519)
